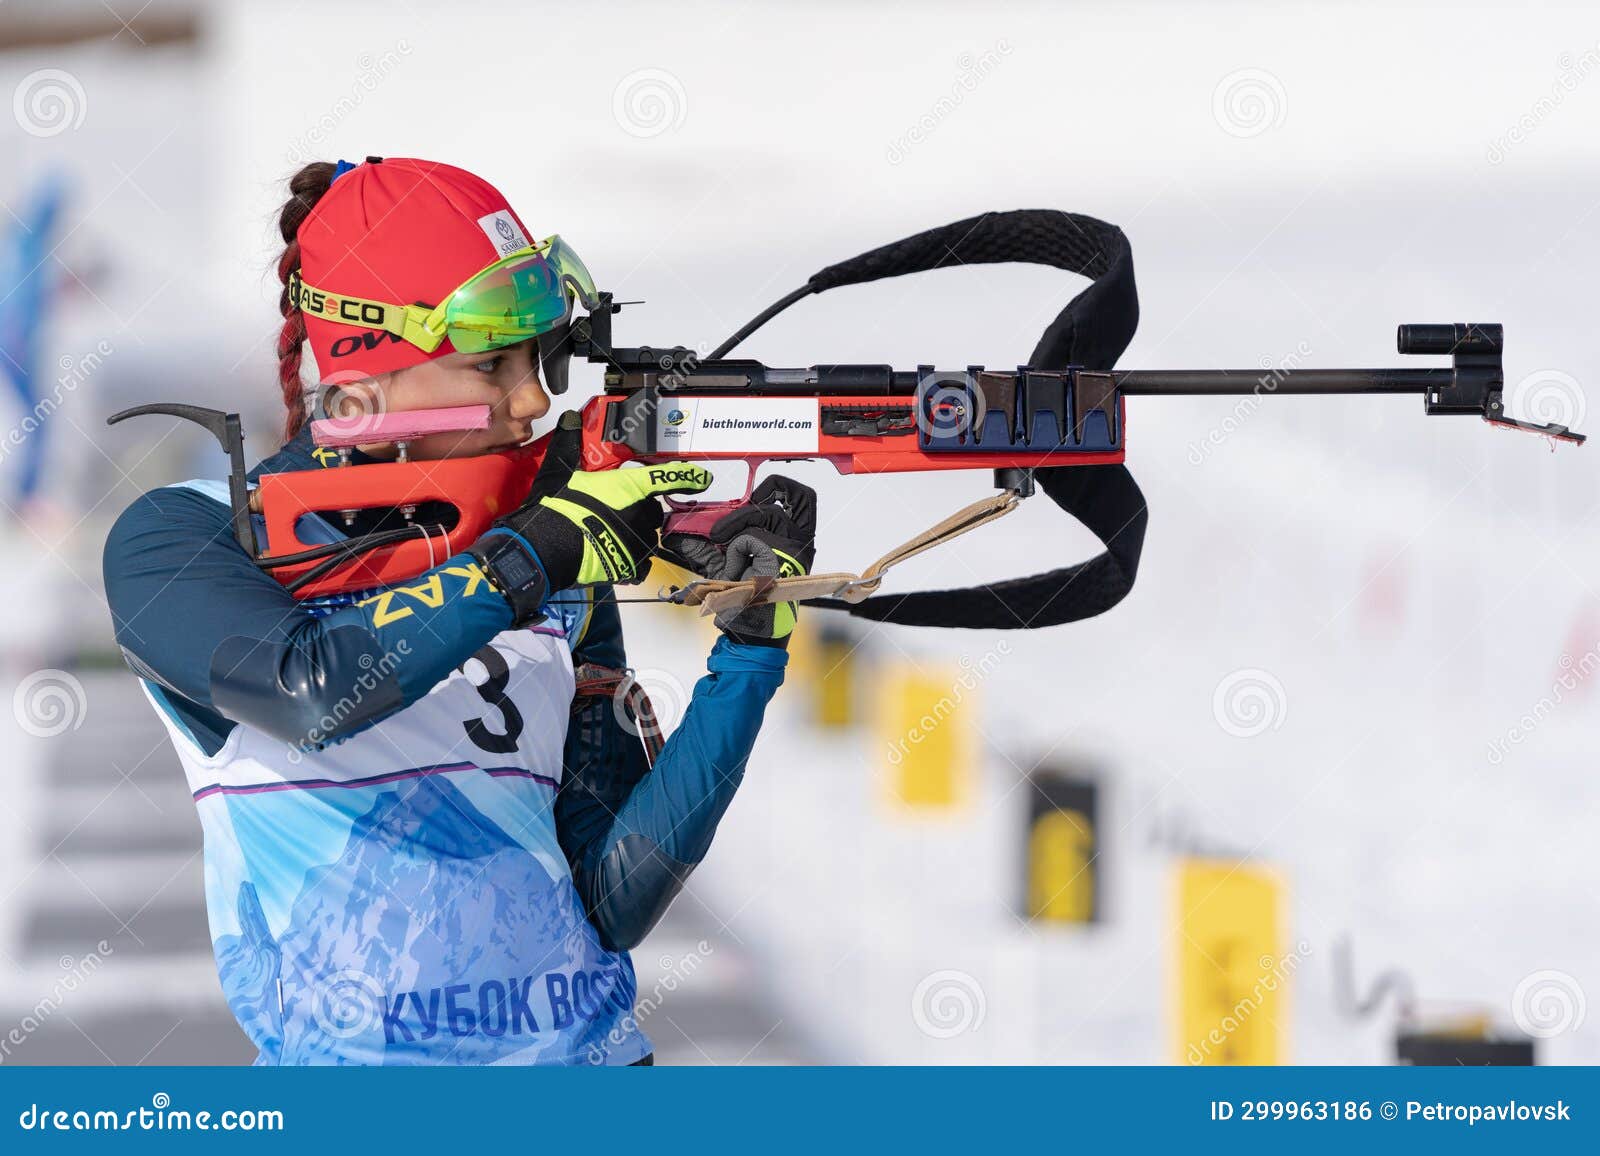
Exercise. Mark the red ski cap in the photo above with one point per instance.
(404, 231)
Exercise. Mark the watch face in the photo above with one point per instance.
(514, 568)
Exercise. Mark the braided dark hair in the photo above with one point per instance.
(306, 188)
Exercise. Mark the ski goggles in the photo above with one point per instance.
(521, 296)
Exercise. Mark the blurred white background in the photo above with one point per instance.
(1295, 181)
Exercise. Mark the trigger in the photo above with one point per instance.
(696, 518)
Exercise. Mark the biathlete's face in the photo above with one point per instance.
(506, 380)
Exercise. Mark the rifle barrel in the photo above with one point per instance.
(1200, 382)
(885, 381)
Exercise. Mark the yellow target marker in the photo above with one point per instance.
(925, 734)
(1232, 971)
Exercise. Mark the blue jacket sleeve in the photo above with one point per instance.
(195, 614)
(633, 835)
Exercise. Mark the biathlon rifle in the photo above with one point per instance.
(1058, 422)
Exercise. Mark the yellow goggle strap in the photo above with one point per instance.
(421, 326)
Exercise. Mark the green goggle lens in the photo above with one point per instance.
(521, 297)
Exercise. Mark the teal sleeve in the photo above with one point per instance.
(632, 834)
(195, 615)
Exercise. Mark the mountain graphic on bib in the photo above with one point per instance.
(429, 895)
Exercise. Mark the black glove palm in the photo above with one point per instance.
(774, 536)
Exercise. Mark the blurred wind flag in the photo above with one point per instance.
(26, 289)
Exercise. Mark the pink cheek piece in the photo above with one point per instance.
(369, 428)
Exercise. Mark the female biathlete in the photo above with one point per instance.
(419, 848)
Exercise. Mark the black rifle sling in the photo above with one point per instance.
(1091, 332)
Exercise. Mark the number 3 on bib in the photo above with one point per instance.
(493, 691)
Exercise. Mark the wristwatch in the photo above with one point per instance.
(516, 571)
